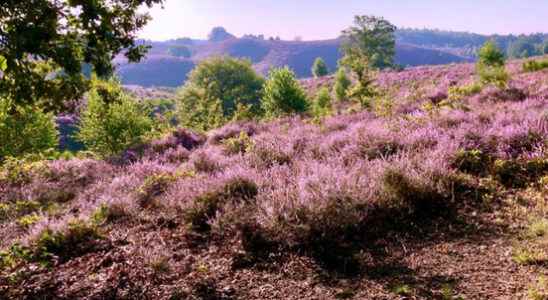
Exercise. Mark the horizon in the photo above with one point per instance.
(195, 19)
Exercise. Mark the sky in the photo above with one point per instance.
(324, 19)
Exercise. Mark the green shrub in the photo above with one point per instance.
(459, 92)
(322, 104)
(535, 65)
(472, 161)
(490, 65)
(341, 84)
(319, 69)
(112, 121)
(154, 186)
(27, 130)
(216, 89)
(65, 243)
(239, 144)
(283, 95)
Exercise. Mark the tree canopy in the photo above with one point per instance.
(373, 38)
(44, 45)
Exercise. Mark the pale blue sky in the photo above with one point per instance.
(323, 19)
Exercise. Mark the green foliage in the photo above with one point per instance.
(27, 130)
(153, 187)
(459, 92)
(319, 69)
(62, 36)
(545, 47)
(342, 83)
(535, 65)
(283, 95)
(112, 120)
(373, 38)
(240, 144)
(218, 90)
(490, 65)
(522, 48)
(321, 106)
(490, 55)
(363, 90)
(28, 220)
(472, 161)
(180, 51)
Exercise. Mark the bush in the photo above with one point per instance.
(535, 65)
(218, 90)
(28, 130)
(205, 207)
(341, 84)
(112, 121)
(459, 92)
(240, 144)
(319, 69)
(322, 104)
(283, 94)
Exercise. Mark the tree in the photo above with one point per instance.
(219, 34)
(490, 65)
(216, 89)
(112, 121)
(322, 103)
(373, 38)
(341, 84)
(545, 48)
(491, 55)
(180, 51)
(522, 48)
(44, 43)
(319, 69)
(283, 95)
(26, 131)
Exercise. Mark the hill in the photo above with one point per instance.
(435, 193)
(162, 69)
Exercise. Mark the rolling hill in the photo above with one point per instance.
(162, 69)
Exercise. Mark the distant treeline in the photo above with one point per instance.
(467, 44)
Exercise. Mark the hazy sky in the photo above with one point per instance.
(323, 19)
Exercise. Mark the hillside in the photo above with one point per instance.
(432, 194)
(162, 69)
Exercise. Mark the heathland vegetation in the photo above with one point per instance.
(377, 182)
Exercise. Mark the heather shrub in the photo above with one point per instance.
(410, 195)
(241, 144)
(267, 153)
(152, 187)
(321, 106)
(112, 121)
(342, 83)
(472, 161)
(319, 69)
(27, 130)
(282, 94)
(206, 206)
(72, 240)
(109, 212)
(64, 243)
(204, 161)
(535, 65)
(219, 90)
